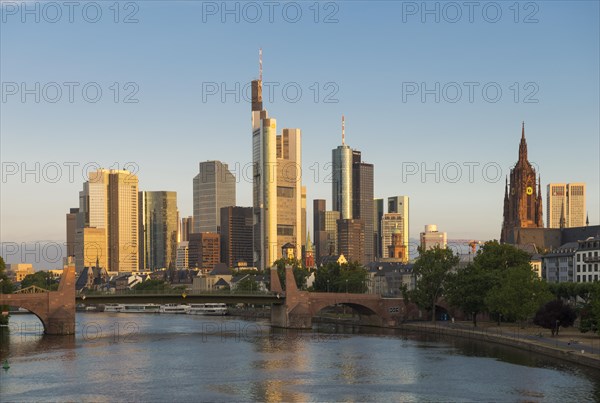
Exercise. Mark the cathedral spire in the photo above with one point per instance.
(587, 219)
(523, 145)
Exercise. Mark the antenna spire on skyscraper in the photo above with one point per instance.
(343, 131)
(260, 64)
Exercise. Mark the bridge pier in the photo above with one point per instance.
(56, 309)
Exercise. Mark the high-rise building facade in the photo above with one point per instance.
(277, 185)
(331, 233)
(565, 205)
(377, 216)
(204, 250)
(109, 200)
(91, 248)
(123, 224)
(236, 235)
(431, 238)
(392, 223)
(187, 227)
(183, 254)
(303, 234)
(71, 229)
(362, 201)
(522, 196)
(400, 205)
(158, 224)
(320, 236)
(214, 188)
(289, 190)
(341, 178)
(351, 240)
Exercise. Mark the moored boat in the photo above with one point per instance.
(174, 308)
(211, 309)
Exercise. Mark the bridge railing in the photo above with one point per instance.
(175, 292)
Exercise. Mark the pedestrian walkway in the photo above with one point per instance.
(585, 350)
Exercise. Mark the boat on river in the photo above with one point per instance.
(210, 309)
(174, 308)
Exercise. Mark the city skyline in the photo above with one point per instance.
(460, 140)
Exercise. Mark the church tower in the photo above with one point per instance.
(522, 196)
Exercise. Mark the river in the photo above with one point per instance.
(153, 357)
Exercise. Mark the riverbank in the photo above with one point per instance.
(581, 350)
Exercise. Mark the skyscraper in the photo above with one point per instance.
(392, 223)
(400, 205)
(341, 179)
(109, 201)
(90, 248)
(377, 216)
(431, 237)
(351, 234)
(362, 201)
(277, 185)
(320, 236)
(565, 205)
(522, 197)
(158, 224)
(71, 229)
(187, 227)
(236, 235)
(214, 188)
(123, 241)
(204, 250)
(289, 190)
(331, 233)
(302, 235)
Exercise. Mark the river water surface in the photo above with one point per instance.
(153, 357)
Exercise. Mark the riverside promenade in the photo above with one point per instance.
(570, 345)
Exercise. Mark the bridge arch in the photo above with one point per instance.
(299, 307)
(55, 309)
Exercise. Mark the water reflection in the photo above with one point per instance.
(190, 358)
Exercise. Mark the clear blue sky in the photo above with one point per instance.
(369, 53)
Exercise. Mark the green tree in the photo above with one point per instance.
(496, 260)
(152, 285)
(247, 284)
(590, 311)
(334, 277)
(432, 269)
(42, 279)
(519, 294)
(6, 287)
(467, 288)
(496, 257)
(300, 272)
(555, 314)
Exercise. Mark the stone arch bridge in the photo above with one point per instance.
(299, 307)
(56, 309)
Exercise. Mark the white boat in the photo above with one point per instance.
(141, 308)
(212, 309)
(113, 308)
(174, 308)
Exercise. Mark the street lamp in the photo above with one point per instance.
(346, 286)
(327, 285)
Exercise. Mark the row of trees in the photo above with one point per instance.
(332, 277)
(499, 281)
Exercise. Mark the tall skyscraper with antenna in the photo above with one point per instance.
(276, 183)
(341, 179)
